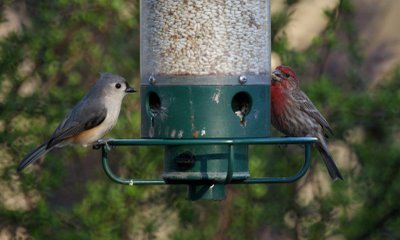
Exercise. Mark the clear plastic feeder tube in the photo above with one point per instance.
(205, 38)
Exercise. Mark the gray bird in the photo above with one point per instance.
(89, 120)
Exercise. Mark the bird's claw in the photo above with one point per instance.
(102, 142)
(108, 147)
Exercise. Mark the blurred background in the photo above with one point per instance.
(346, 53)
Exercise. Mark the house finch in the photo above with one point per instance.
(294, 114)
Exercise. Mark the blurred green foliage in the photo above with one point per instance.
(59, 52)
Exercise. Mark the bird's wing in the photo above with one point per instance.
(83, 116)
(308, 107)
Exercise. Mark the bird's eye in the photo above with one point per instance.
(287, 75)
(118, 85)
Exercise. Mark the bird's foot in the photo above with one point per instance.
(98, 144)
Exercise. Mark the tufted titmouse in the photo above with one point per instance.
(89, 120)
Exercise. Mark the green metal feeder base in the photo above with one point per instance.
(201, 112)
(211, 188)
(204, 163)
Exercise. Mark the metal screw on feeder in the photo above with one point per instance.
(242, 79)
(212, 65)
(152, 80)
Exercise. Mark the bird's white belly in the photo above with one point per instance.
(90, 136)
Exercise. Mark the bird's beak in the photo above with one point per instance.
(129, 89)
(276, 75)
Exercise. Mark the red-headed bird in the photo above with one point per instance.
(295, 115)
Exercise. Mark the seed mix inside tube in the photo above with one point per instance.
(215, 37)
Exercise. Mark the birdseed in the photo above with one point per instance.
(208, 37)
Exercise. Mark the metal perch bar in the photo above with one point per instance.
(307, 141)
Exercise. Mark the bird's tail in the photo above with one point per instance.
(33, 156)
(328, 160)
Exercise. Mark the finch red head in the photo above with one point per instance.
(295, 115)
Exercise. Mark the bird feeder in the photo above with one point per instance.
(205, 92)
